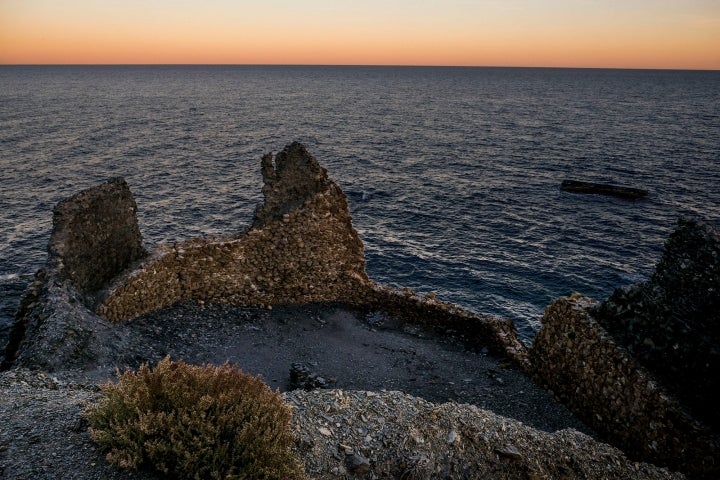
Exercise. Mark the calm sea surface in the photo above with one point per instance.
(452, 173)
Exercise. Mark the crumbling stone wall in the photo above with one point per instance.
(574, 357)
(95, 235)
(444, 319)
(302, 248)
(671, 323)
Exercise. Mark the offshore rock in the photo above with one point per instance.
(671, 323)
(576, 186)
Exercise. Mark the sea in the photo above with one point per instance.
(452, 174)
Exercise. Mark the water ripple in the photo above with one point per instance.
(452, 174)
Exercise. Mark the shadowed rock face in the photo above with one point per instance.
(671, 323)
(643, 368)
(95, 235)
(574, 357)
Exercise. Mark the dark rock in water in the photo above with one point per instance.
(671, 323)
(576, 186)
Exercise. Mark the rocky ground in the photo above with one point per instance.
(374, 420)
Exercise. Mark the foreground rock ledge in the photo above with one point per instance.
(339, 434)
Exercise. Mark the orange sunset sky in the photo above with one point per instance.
(678, 34)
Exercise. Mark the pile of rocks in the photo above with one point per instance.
(352, 434)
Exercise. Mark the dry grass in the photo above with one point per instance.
(195, 422)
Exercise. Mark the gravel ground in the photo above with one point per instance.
(340, 434)
(376, 421)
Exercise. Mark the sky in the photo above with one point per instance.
(675, 34)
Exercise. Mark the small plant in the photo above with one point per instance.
(195, 422)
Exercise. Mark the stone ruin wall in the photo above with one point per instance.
(312, 254)
(95, 235)
(574, 357)
(306, 250)
(301, 248)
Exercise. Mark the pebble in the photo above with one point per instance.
(509, 451)
(357, 463)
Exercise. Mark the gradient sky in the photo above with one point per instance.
(682, 34)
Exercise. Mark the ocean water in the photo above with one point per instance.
(452, 174)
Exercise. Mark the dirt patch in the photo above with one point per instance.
(349, 349)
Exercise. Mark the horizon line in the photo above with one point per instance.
(347, 65)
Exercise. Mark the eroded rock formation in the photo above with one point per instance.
(301, 248)
(95, 237)
(671, 323)
(574, 357)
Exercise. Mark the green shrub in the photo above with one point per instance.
(195, 422)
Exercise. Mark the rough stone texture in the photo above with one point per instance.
(671, 323)
(339, 434)
(95, 235)
(54, 329)
(394, 435)
(312, 254)
(574, 357)
(290, 178)
(302, 248)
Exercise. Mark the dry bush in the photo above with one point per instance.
(193, 422)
